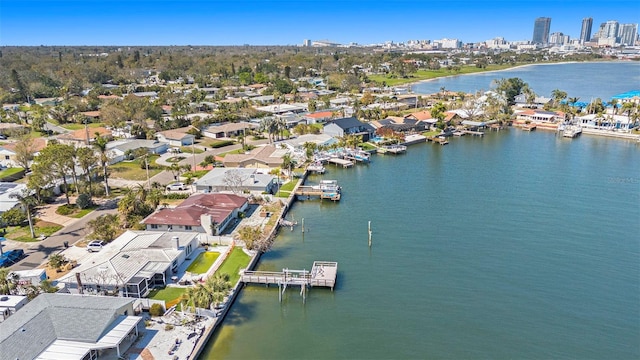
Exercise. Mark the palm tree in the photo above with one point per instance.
(101, 145)
(26, 200)
(8, 281)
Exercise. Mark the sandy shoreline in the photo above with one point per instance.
(501, 70)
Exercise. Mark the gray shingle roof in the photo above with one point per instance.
(48, 317)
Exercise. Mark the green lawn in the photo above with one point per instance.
(286, 188)
(83, 212)
(431, 133)
(23, 234)
(221, 143)
(131, 170)
(81, 126)
(9, 173)
(195, 174)
(170, 295)
(238, 151)
(203, 262)
(233, 263)
(191, 150)
(432, 74)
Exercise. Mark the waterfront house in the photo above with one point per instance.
(70, 327)
(267, 156)
(349, 126)
(177, 137)
(283, 108)
(203, 213)
(401, 124)
(606, 122)
(537, 102)
(133, 264)
(237, 180)
(541, 118)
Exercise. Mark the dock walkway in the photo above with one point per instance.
(322, 274)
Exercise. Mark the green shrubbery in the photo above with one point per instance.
(221, 143)
(14, 217)
(65, 209)
(156, 310)
(84, 201)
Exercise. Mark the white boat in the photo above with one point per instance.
(328, 186)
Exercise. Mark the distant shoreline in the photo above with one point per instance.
(506, 69)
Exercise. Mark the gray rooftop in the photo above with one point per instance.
(51, 317)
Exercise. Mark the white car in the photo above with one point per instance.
(95, 246)
(177, 186)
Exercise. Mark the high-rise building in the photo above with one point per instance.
(627, 34)
(610, 29)
(585, 33)
(541, 30)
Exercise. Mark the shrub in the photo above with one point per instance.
(14, 217)
(65, 209)
(84, 201)
(221, 143)
(168, 327)
(156, 310)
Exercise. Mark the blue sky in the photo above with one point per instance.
(284, 22)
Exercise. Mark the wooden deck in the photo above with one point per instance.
(438, 140)
(322, 274)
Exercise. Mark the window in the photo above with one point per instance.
(6, 157)
(169, 227)
(154, 226)
(187, 227)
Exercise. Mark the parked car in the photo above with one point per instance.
(176, 186)
(95, 246)
(11, 257)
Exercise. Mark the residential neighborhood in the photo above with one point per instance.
(130, 197)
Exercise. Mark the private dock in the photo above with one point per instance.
(439, 140)
(322, 274)
(572, 131)
(316, 168)
(341, 162)
(392, 149)
(473, 132)
(529, 127)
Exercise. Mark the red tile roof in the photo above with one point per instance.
(320, 115)
(218, 206)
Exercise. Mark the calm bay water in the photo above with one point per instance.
(583, 80)
(517, 245)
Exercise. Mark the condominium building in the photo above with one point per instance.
(585, 32)
(541, 30)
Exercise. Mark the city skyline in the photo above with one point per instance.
(284, 22)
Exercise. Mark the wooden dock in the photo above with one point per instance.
(473, 132)
(529, 127)
(314, 191)
(341, 162)
(322, 274)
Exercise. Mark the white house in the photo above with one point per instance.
(607, 122)
(134, 263)
(176, 137)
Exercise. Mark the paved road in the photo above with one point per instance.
(39, 252)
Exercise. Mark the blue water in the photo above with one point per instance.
(517, 245)
(583, 80)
